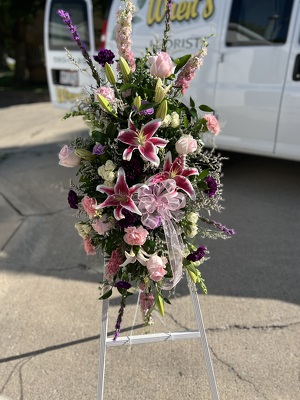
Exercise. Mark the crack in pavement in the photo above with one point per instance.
(252, 327)
(236, 373)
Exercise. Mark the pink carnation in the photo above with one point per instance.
(88, 204)
(113, 265)
(135, 236)
(212, 124)
(156, 267)
(88, 247)
(106, 92)
(102, 225)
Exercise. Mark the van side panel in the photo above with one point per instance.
(288, 138)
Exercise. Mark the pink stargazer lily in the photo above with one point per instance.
(142, 140)
(177, 171)
(119, 196)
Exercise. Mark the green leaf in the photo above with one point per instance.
(203, 174)
(205, 108)
(185, 122)
(146, 106)
(192, 103)
(180, 62)
(98, 136)
(111, 130)
(159, 302)
(193, 112)
(127, 86)
(167, 300)
(106, 295)
(202, 185)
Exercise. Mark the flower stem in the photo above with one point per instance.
(167, 25)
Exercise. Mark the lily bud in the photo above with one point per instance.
(104, 103)
(125, 70)
(137, 102)
(110, 74)
(160, 92)
(84, 154)
(162, 110)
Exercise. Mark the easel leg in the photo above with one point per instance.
(102, 353)
(204, 344)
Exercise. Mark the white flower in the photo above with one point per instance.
(83, 230)
(192, 231)
(131, 257)
(110, 166)
(192, 217)
(167, 120)
(175, 121)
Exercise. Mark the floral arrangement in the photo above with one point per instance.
(146, 183)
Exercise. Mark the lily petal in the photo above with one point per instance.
(149, 152)
(128, 136)
(158, 142)
(121, 186)
(184, 184)
(151, 127)
(127, 154)
(130, 206)
(168, 162)
(190, 171)
(105, 189)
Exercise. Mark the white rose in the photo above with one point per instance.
(167, 120)
(109, 176)
(110, 166)
(101, 171)
(186, 144)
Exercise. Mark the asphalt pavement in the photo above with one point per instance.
(49, 309)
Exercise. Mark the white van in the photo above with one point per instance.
(251, 75)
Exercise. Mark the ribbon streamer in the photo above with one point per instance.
(175, 248)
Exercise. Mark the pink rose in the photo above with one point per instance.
(87, 204)
(186, 144)
(135, 236)
(106, 92)
(161, 65)
(88, 247)
(67, 157)
(102, 225)
(156, 267)
(212, 124)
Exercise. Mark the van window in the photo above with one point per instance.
(257, 22)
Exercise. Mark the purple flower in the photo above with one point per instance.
(212, 186)
(104, 56)
(123, 285)
(67, 20)
(129, 220)
(197, 255)
(98, 149)
(73, 199)
(133, 170)
(148, 111)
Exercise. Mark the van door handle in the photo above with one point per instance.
(296, 73)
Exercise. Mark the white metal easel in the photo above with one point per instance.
(157, 337)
